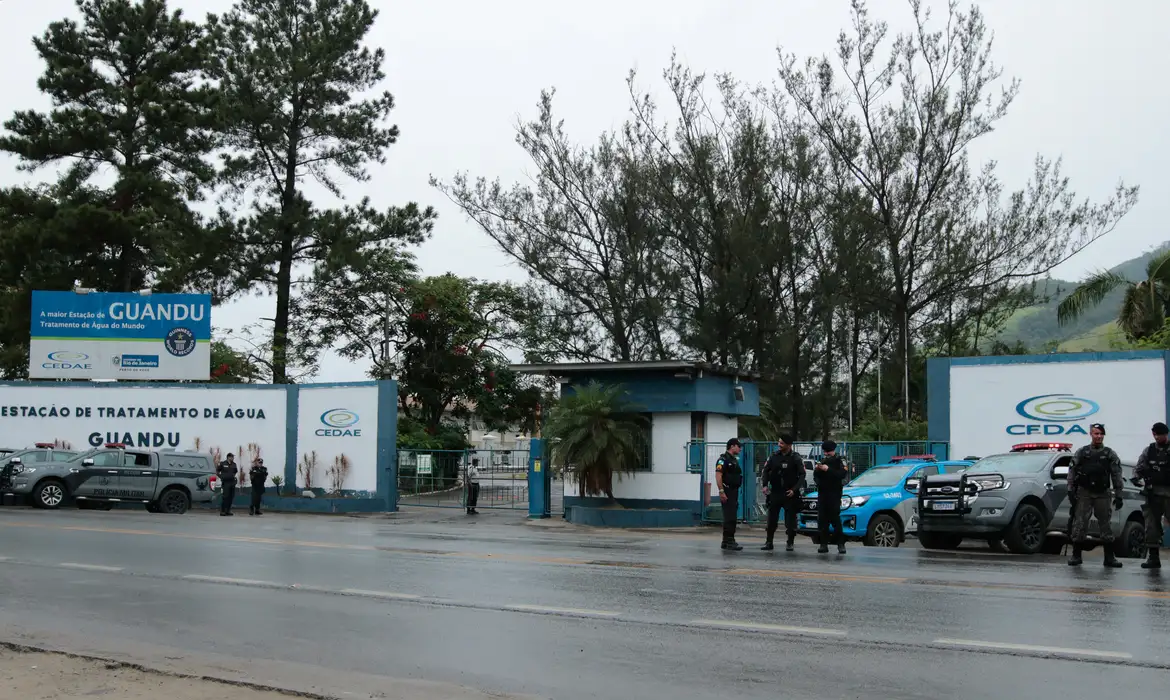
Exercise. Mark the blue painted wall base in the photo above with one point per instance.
(627, 518)
(539, 485)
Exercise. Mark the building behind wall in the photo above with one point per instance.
(686, 402)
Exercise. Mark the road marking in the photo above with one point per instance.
(1062, 651)
(90, 567)
(380, 594)
(815, 575)
(762, 627)
(560, 611)
(236, 581)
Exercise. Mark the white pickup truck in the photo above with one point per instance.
(165, 482)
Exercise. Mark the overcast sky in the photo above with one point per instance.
(464, 71)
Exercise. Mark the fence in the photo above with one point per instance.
(438, 478)
(858, 457)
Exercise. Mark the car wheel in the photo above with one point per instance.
(174, 502)
(1026, 533)
(883, 531)
(939, 540)
(50, 494)
(1133, 541)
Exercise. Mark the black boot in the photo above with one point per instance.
(1111, 558)
(823, 549)
(767, 545)
(1153, 560)
(733, 546)
(1075, 559)
(840, 548)
(790, 546)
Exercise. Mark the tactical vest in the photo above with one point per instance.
(732, 474)
(1158, 459)
(1093, 469)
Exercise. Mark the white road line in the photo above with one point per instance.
(224, 579)
(90, 567)
(763, 627)
(562, 611)
(380, 594)
(1033, 648)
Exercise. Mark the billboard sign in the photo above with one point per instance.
(336, 422)
(995, 406)
(120, 336)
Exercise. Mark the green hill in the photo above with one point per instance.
(1036, 327)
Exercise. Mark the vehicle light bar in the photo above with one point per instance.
(903, 458)
(44, 445)
(115, 445)
(1027, 446)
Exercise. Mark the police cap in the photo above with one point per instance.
(1160, 429)
(828, 446)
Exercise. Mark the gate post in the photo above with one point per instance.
(538, 505)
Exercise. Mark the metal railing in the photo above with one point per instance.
(438, 478)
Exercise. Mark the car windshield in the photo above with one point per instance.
(1014, 463)
(880, 476)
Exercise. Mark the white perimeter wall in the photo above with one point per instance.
(198, 418)
(357, 441)
(984, 399)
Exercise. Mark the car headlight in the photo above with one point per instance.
(991, 483)
(855, 501)
(846, 502)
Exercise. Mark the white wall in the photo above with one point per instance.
(650, 486)
(336, 421)
(985, 404)
(669, 435)
(196, 418)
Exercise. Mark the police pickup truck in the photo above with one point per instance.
(165, 482)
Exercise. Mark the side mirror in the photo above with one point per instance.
(913, 484)
(1060, 472)
(87, 462)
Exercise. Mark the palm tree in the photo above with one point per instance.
(1144, 306)
(595, 434)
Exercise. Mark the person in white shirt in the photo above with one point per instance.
(472, 486)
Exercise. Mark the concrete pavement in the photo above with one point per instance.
(493, 605)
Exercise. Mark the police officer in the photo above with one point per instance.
(783, 480)
(1153, 475)
(1094, 468)
(830, 476)
(227, 471)
(729, 477)
(258, 476)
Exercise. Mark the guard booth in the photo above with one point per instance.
(686, 402)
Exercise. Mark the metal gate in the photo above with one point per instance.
(438, 478)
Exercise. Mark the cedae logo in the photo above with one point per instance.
(1053, 414)
(67, 359)
(339, 422)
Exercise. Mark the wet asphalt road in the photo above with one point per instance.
(560, 613)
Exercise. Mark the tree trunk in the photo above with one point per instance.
(281, 320)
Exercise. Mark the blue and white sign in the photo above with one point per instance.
(120, 336)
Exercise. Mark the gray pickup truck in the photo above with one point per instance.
(165, 482)
(1019, 499)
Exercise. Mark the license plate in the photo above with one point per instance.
(944, 505)
(810, 524)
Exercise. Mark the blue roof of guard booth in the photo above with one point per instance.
(669, 386)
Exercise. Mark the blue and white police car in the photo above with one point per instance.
(877, 507)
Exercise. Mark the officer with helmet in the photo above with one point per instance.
(1152, 473)
(1094, 469)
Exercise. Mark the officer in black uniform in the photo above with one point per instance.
(1152, 473)
(1094, 469)
(830, 476)
(259, 476)
(729, 477)
(227, 471)
(784, 480)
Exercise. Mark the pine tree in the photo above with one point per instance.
(128, 100)
(290, 71)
